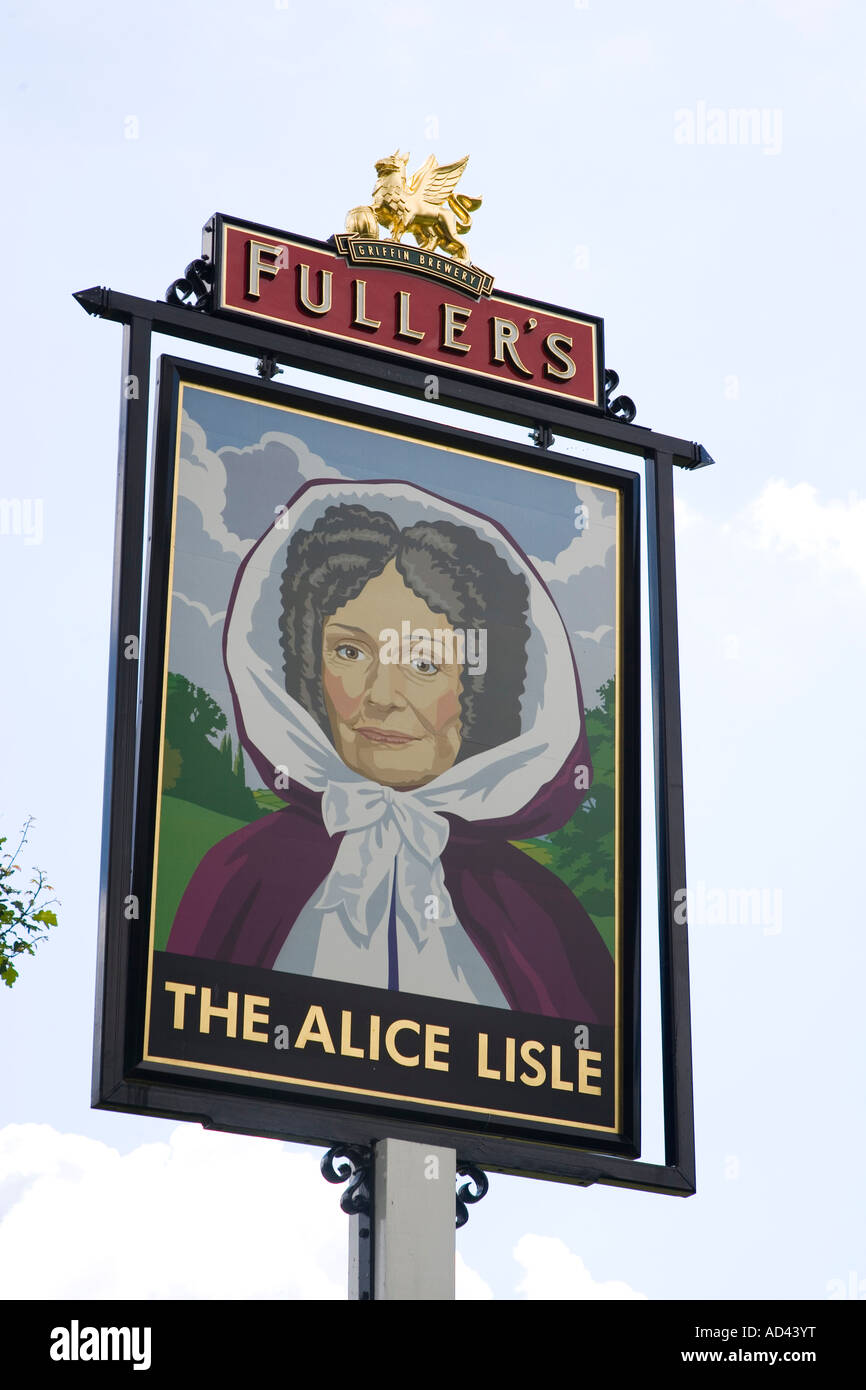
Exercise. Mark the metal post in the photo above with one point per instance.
(670, 818)
(413, 1221)
(360, 1257)
(130, 510)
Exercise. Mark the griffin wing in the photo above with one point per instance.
(421, 173)
(435, 183)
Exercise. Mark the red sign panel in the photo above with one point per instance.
(440, 321)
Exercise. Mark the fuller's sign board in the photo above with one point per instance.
(390, 673)
(400, 300)
(373, 781)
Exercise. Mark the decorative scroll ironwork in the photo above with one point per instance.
(354, 1163)
(621, 407)
(465, 1195)
(196, 280)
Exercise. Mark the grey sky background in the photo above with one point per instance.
(619, 177)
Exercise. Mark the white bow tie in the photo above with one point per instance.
(385, 832)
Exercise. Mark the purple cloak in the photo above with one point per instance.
(542, 948)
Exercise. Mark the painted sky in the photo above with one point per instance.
(619, 176)
(241, 462)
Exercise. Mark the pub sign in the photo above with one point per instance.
(372, 813)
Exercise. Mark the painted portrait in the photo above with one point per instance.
(394, 691)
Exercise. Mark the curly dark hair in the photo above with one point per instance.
(450, 567)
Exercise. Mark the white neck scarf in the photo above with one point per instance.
(385, 831)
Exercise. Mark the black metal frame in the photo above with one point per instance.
(120, 929)
(363, 364)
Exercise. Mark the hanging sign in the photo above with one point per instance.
(386, 677)
(373, 826)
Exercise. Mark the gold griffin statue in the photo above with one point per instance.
(426, 206)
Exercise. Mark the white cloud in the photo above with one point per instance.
(790, 517)
(470, 1285)
(588, 547)
(552, 1271)
(205, 1215)
(209, 617)
(204, 475)
(203, 480)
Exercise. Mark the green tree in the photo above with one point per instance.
(190, 713)
(583, 852)
(238, 766)
(25, 917)
(200, 763)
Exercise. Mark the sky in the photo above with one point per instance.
(618, 179)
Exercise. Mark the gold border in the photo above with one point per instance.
(333, 1086)
(404, 352)
(380, 1095)
(154, 875)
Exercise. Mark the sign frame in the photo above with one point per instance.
(457, 1119)
(112, 1088)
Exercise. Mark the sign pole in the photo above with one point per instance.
(360, 1257)
(413, 1223)
(403, 1214)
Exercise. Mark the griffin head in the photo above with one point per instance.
(392, 163)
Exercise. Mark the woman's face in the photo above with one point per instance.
(395, 714)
